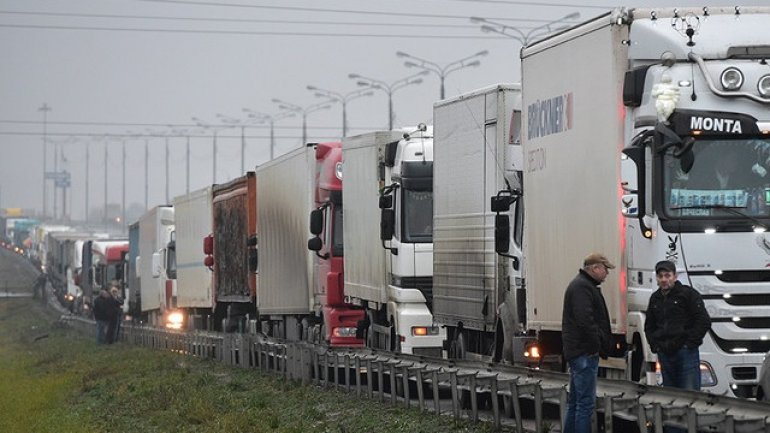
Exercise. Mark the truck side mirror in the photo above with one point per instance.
(315, 244)
(387, 224)
(501, 203)
(208, 245)
(386, 201)
(502, 234)
(316, 222)
(156, 265)
(253, 260)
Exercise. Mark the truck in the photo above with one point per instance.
(231, 253)
(106, 258)
(478, 296)
(623, 117)
(285, 300)
(194, 299)
(339, 319)
(388, 238)
(156, 290)
(132, 288)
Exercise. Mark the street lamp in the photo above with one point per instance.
(283, 105)
(242, 123)
(388, 88)
(524, 39)
(441, 71)
(270, 119)
(342, 99)
(45, 109)
(214, 130)
(186, 134)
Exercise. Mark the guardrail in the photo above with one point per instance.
(461, 388)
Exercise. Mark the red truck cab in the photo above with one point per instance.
(340, 319)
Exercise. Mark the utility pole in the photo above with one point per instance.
(88, 165)
(146, 173)
(106, 160)
(168, 201)
(45, 109)
(187, 169)
(123, 203)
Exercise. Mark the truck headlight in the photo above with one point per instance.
(344, 332)
(422, 331)
(175, 320)
(707, 376)
(731, 78)
(763, 85)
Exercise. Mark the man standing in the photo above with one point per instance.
(103, 313)
(585, 336)
(675, 326)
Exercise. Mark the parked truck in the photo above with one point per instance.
(194, 299)
(625, 118)
(285, 298)
(231, 252)
(338, 319)
(156, 289)
(388, 235)
(478, 295)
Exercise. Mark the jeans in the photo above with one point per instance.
(680, 370)
(101, 331)
(582, 393)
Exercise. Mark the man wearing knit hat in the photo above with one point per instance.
(675, 326)
(586, 336)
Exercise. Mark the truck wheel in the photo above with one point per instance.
(457, 347)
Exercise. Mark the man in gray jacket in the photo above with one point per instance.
(586, 336)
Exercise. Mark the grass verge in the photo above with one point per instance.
(53, 379)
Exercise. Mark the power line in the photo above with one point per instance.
(343, 11)
(157, 125)
(251, 33)
(239, 20)
(536, 3)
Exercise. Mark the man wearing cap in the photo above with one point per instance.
(675, 326)
(585, 336)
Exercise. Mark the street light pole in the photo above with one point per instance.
(441, 71)
(270, 119)
(45, 109)
(123, 201)
(389, 89)
(88, 166)
(214, 130)
(106, 160)
(523, 38)
(302, 111)
(343, 100)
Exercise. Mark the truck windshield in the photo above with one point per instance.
(418, 216)
(337, 246)
(730, 179)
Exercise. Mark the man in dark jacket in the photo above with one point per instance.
(675, 326)
(104, 311)
(585, 336)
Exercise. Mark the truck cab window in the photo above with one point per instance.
(417, 221)
(337, 245)
(729, 178)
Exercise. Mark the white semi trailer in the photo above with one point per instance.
(625, 118)
(192, 223)
(477, 295)
(156, 289)
(388, 235)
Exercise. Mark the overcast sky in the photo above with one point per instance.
(115, 71)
